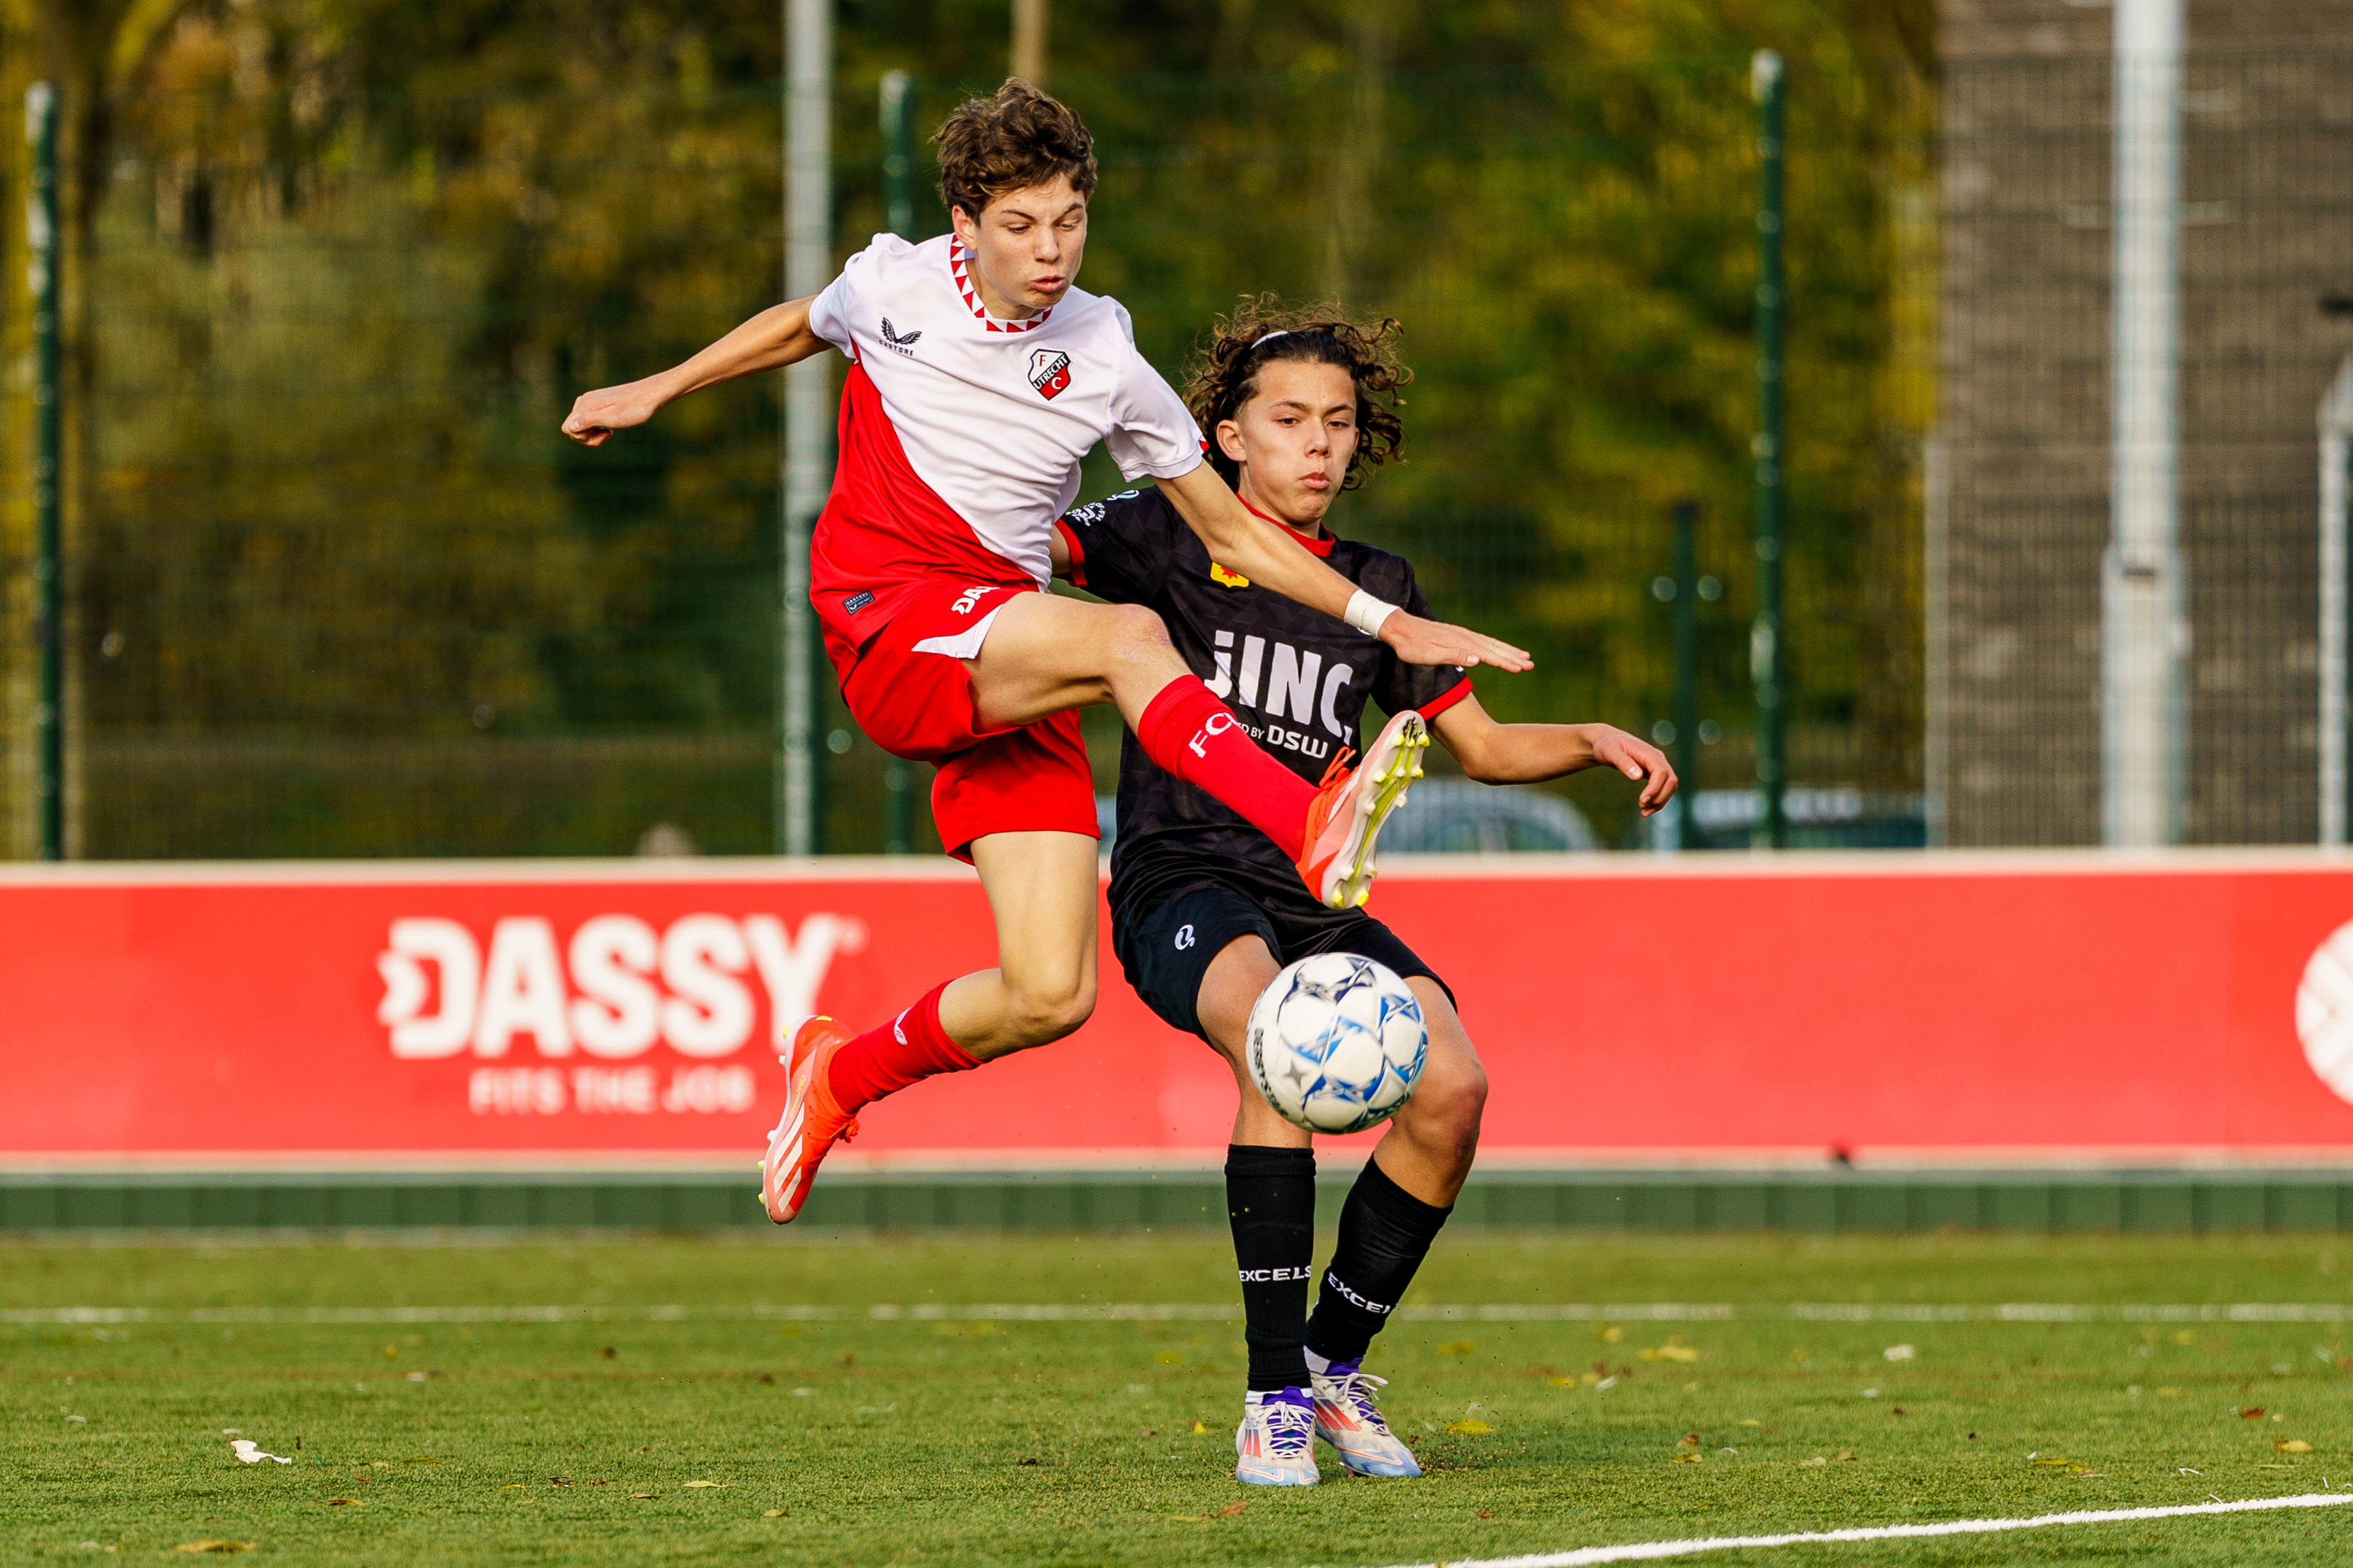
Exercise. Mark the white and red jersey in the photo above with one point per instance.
(961, 435)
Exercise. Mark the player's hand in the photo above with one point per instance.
(597, 415)
(1641, 760)
(1418, 641)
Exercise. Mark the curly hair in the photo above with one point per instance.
(1262, 331)
(1011, 141)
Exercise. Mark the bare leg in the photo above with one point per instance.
(1041, 888)
(1236, 977)
(1428, 1147)
(1045, 653)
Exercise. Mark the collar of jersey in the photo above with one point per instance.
(957, 274)
(1319, 545)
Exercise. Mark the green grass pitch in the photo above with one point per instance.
(726, 1431)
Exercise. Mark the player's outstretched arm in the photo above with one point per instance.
(1256, 548)
(776, 337)
(1524, 754)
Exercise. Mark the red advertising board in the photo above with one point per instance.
(1624, 1005)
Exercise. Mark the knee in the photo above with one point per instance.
(1448, 1103)
(1042, 1014)
(1135, 628)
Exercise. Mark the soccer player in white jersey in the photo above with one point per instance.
(980, 376)
(1300, 405)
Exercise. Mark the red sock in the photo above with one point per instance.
(908, 1049)
(1181, 732)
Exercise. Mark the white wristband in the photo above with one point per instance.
(1366, 613)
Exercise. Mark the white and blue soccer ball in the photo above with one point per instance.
(1336, 1043)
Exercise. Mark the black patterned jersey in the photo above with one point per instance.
(1296, 677)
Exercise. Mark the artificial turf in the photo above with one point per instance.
(842, 1437)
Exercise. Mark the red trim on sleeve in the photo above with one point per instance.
(1437, 705)
(1078, 572)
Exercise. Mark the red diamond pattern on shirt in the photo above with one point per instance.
(956, 257)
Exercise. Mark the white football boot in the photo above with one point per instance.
(1346, 1417)
(1275, 1445)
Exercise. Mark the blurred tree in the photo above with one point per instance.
(354, 257)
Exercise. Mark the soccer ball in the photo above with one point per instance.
(1336, 1043)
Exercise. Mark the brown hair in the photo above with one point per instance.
(1017, 139)
(1225, 374)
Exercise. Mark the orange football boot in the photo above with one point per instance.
(1348, 812)
(813, 1119)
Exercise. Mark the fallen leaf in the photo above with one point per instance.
(776, 1513)
(1668, 1352)
(1688, 1440)
(1025, 1461)
(1486, 1513)
(517, 1486)
(1200, 1429)
(342, 1502)
(1810, 1464)
(706, 1484)
(1608, 1334)
(1605, 1383)
(1572, 1381)
(1900, 1352)
(214, 1546)
(1684, 1457)
(1752, 1424)
(2251, 1413)
(2054, 1460)
(1471, 1427)
(1457, 1347)
(648, 1496)
(1846, 1453)
(2293, 1446)
(1231, 1509)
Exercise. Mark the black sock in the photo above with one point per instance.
(1384, 1233)
(1270, 1199)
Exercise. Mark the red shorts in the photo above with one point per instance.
(909, 692)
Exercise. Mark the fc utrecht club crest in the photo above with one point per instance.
(1050, 371)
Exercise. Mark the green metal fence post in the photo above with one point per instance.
(899, 217)
(1686, 742)
(48, 576)
(1764, 641)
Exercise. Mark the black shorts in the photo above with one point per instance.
(1168, 952)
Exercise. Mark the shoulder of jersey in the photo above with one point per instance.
(1371, 564)
(1127, 507)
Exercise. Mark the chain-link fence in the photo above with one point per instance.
(336, 586)
(2265, 253)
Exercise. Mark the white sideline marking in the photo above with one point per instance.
(1206, 1311)
(1644, 1550)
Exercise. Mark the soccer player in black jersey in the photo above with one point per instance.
(1300, 406)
